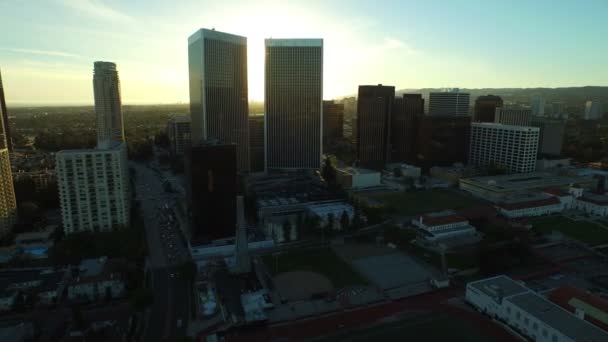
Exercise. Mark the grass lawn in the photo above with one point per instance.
(323, 261)
(431, 327)
(418, 202)
(586, 232)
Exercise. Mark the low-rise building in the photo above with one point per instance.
(96, 279)
(583, 304)
(333, 210)
(497, 188)
(357, 178)
(530, 314)
(444, 225)
(452, 174)
(529, 204)
(592, 204)
(405, 170)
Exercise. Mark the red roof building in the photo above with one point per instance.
(580, 302)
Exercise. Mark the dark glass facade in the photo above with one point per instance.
(333, 121)
(374, 108)
(443, 140)
(211, 174)
(485, 108)
(293, 102)
(403, 127)
(256, 142)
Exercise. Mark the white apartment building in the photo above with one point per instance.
(528, 313)
(513, 147)
(93, 189)
(449, 103)
(178, 131)
(513, 116)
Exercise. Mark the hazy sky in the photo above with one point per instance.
(47, 47)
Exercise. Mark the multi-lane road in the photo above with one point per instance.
(167, 319)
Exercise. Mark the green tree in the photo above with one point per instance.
(397, 172)
(329, 172)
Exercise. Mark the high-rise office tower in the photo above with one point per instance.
(593, 110)
(93, 184)
(538, 106)
(211, 174)
(6, 131)
(374, 108)
(8, 205)
(406, 110)
(442, 140)
(108, 106)
(485, 108)
(218, 91)
(178, 132)
(551, 135)
(94, 188)
(293, 78)
(513, 148)
(333, 121)
(513, 116)
(256, 142)
(451, 102)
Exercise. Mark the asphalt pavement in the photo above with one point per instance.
(167, 319)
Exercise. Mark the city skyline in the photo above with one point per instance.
(405, 44)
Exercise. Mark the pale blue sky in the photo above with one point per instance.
(47, 47)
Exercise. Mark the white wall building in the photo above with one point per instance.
(592, 204)
(93, 189)
(335, 210)
(513, 147)
(358, 178)
(530, 204)
(108, 106)
(448, 103)
(96, 280)
(528, 313)
(444, 225)
(512, 116)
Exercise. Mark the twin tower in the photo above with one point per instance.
(293, 100)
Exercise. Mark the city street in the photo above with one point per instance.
(168, 316)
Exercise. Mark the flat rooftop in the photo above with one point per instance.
(506, 285)
(357, 171)
(558, 318)
(523, 181)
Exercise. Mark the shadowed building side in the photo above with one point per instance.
(219, 106)
(406, 110)
(374, 107)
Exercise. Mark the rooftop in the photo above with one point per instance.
(572, 298)
(356, 171)
(528, 200)
(441, 218)
(599, 199)
(524, 181)
(503, 284)
(558, 318)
